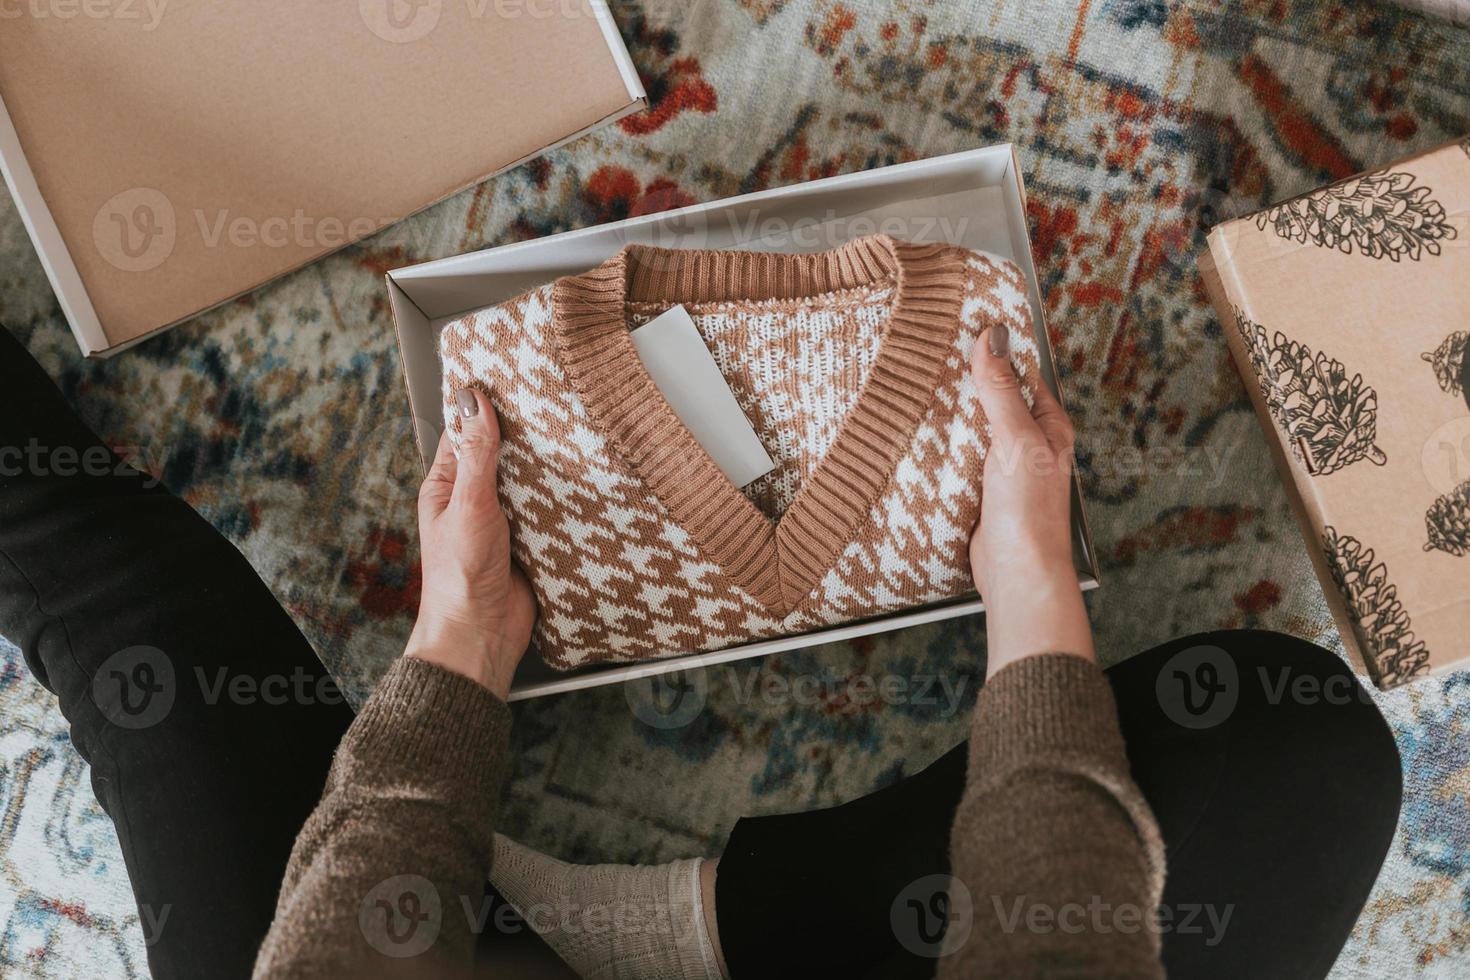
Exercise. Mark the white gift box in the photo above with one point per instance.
(975, 198)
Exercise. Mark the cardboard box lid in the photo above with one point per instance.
(168, 157)
(1348, 311)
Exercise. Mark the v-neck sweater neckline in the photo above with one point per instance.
(778, 563)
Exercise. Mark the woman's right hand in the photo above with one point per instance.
(477, 610)
(1021, 551)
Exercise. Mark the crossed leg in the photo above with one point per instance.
(208, 721)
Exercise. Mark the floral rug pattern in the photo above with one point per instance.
(1139, 124)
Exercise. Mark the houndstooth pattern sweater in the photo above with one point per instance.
(852, 366)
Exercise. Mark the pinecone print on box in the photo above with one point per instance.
(1448, 522)
(1330, 420)
(1448, 360)
(1382, 215)
(1383, 625)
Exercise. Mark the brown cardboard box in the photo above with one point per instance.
(167, 157)
(1348, 313)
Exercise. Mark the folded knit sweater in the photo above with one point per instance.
(852, 366)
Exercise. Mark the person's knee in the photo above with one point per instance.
(1265, 668)
(1274, 688)
(1308, 702)
(1282, 670)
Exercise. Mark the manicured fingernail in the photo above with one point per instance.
(468, 406)
(1000, 340)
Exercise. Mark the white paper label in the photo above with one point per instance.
(676, 358)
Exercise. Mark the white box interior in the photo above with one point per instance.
(974, 198)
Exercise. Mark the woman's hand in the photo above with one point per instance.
(1021, 551)
(477, 609)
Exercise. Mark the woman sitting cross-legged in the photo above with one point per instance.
(1216, 807)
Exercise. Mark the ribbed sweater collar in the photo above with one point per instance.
(781, 563)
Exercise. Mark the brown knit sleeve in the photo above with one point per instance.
(389, 871)
(1058, 850)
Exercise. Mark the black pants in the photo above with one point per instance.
(209, 725)
(206, 717)
(1274, 779)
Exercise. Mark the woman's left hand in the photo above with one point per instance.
(1021, 551)
(477, 609)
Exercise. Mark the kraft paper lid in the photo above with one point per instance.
(190, 152)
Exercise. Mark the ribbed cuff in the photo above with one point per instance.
(433, 726)
(1044, 705)
(1056, 711)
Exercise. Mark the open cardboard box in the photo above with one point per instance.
(974, 198)
(166, 158)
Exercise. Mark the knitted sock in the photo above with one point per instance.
(611, 921)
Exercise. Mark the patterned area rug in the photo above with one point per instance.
(1139, 123)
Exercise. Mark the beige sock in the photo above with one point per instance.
(611, 921)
